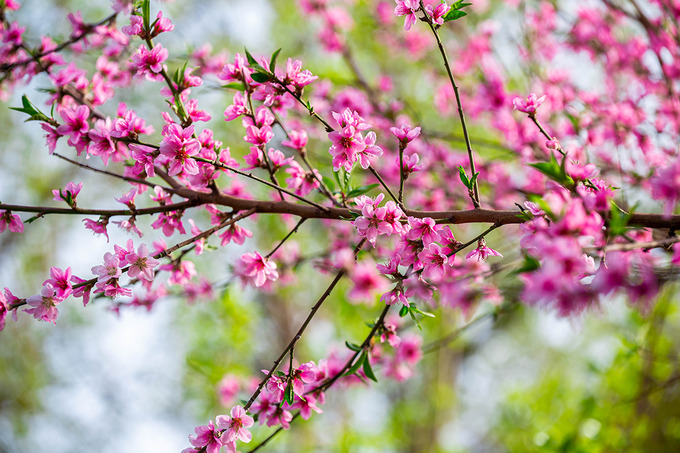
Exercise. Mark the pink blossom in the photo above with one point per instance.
(44, 306)
(206, 437)
(370, 150)
(11, 221)
(236, 234)
(149, 62)
(227, 389)
(529, 105)
(83, 290)
(135, 28)
(237, 70)
(178, 146)
(102, 144)
(396, 296)
(75, 122)
(236, 426)
(405, 134)
(7, 300)
(195, 114)
(434, 260)
(437, 13)
(51, 137)
(258, 135)
(182, 273)
(98, 227)
(666, 185)
(301, 181)
(169, 222)
(60, 281)
(296, 140)
(257, 269)
(347, 143)
(110, 269)
(407, 8)
(447, 239)
(304, 374)
(128, 199)
(161, 25)
(296, 76)
(143, 157)
(376, 221)
(482, 252)
(424, 229)
(366, 281)
(141, 264)
(128, 124)
(237, 108)
(306, 405)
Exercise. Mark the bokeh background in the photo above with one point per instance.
(140, 380)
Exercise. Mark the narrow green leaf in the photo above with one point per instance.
(250, 58)
(272, 60)
(346, 180)
(329, 183)
(413, 317)
(238, 86)
(38, 117)
(356, 365)
(260, 77)
(464, 178)
(530, 264)
(353, 346)
(618, 220)
(146, 13)
(474, 180)
(26, 103)
(423, 313)
(289, 396)
(361, 190)
(368, 371)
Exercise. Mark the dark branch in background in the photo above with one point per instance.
(461, 115)
(301, 330)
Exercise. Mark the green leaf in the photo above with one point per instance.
(454, 15)
(403, 311)
(413, 317)
(361, 190)
(555, 170)
(356, 365)
(353, 346)
(464, 178)
(525, 215)
(530, 264)
(618, 220)
(272, 60)
(27, 107)
(32, 219)
(369, 371)
(238, 86)
(260, 77)
(423, 313)
(329, 183)
(455, 11)
(346, 180)
(288, 394)
(473, 181)
(146, 13)
(38, 117)
(250, 58)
